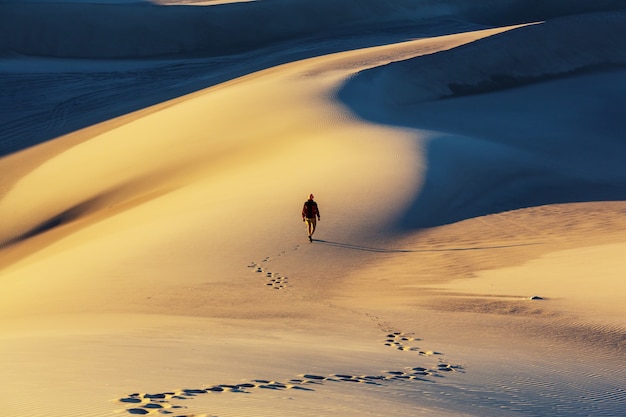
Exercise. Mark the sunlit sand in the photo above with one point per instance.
(153, 261)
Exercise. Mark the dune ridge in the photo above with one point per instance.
(532, 53)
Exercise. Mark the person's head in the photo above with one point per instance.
(311, 196)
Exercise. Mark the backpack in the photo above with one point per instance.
(310, 209)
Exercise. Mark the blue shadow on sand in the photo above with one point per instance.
(500, 150)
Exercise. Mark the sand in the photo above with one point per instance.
(467, 260)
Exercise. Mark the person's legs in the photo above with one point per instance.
(311, 223)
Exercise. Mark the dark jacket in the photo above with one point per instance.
(310, 210)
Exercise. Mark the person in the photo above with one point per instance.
(310, 215)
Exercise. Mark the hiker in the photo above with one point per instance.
(310, 215)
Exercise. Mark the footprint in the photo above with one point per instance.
(131, 400)
(138, 411)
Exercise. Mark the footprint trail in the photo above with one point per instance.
(165, 403)
(273, 280)
(168, 403)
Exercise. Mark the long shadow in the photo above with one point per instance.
(384, 250)
(360, 247)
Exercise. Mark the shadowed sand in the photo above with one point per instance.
(468, 259)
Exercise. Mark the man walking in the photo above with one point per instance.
(310, 215)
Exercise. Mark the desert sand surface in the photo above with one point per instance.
(468, 165)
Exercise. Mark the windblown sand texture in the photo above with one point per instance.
(468, 162)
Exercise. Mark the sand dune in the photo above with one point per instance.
(577, 72)
(568, 46)
(467, 260)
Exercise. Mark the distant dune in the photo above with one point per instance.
(135, 28)
(529, 54)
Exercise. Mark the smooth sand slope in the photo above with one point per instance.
(156, 263)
